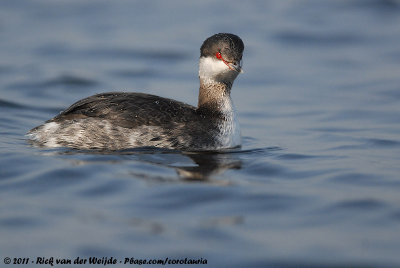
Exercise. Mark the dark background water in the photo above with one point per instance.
(315, 184)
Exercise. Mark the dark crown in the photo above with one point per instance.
(229, 45)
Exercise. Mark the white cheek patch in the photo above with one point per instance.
(210, 67)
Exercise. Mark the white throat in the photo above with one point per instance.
(214, 70)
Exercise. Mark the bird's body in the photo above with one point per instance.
(117, 120)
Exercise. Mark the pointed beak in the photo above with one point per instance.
(236, 66)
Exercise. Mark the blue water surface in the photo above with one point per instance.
(316, 183)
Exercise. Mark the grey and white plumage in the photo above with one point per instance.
(119, 120)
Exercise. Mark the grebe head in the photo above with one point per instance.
(221, 58)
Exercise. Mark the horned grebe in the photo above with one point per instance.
(117, 120)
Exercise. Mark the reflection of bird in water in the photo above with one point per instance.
(189, 166)
(208, 164)
(205, 165)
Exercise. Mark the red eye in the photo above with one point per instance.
(218, 55)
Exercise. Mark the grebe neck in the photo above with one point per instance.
(214, 98)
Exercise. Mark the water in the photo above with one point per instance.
(315, 184)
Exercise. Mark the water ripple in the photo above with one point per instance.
(69, 80)
(360, 179)
(297, 38)
(112, 52)
(10, 104)
(367, 204)
(19, 222)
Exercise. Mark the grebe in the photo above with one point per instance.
(118, 120)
